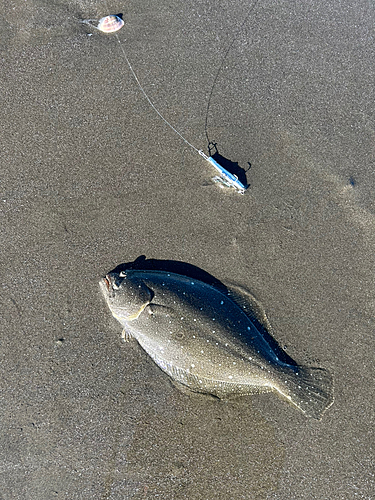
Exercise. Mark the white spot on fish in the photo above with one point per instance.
(230, 376)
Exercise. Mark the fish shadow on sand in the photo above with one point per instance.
(194, 272)
(231, 166)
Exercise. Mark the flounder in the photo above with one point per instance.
(204, 339)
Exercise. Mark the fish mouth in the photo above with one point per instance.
(107, 282)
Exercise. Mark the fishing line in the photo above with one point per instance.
(226, 178)
(149, 100)
(221, 66)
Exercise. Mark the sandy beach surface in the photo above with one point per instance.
(91, 177)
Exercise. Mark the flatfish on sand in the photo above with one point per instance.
(204, 339)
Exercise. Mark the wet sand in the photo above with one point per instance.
(92, 178)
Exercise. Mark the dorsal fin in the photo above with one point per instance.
(251, 306)
(255, 311)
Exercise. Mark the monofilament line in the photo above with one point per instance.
(221, 66)
(149, 100)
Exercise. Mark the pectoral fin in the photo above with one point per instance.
(126, 336)
(159, 311)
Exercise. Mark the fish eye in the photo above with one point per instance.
(122, 274)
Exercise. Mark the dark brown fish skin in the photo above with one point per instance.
(203, 339)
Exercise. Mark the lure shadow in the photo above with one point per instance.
(230, 166)
(194, 272)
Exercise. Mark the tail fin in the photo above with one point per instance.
(310, 389)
